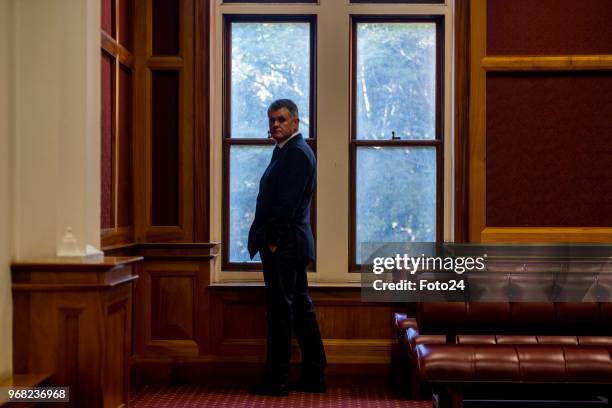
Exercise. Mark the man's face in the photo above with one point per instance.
(282, 125)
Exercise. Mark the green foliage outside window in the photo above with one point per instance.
(396, 92)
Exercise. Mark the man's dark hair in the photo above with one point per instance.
(284, 103)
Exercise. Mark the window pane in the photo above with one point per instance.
(270, 1)
(399, 1)
(395, 195)
(396, 80)
(247, 164)
(269, 61)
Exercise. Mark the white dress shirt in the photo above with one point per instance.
(284, 142)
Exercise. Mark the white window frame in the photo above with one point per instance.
(333, 128)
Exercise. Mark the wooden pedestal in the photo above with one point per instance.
(72, 318)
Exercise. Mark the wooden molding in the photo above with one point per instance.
(345, 351)
(167, 250)
(140, 113)
(67, 287)
(183, 63)
(546, 234)
(477, 141)
(171, 62)
(202, 122)
(175, 348)
(110, 45)
(71, 274)
(113, 237)
(548, 63)
(179, 250)
(230, 371)
(462, 118)
(57, 264)
(171, 233)
(26, 380)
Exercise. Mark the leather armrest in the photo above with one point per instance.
(402, 324)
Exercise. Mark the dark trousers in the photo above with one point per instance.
(288, 305)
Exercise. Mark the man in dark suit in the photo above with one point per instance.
(282, 235)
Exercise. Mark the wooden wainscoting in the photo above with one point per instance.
(353, 332)
(187, 330)
(171, 310)
(357, 336)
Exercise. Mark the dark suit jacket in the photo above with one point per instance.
(283, 203)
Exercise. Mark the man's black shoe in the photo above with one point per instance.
(310, 386)
(265, 388)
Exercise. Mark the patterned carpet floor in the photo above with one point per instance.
(193, 396)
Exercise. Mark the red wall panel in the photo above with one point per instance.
(108, 16)
(549, 27)
(107, 140)
(125, 26)
(549, 150)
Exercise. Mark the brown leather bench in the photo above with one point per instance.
(456, 346)
(405, 373)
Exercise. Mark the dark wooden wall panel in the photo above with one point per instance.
(164, 150)
(107, 75)
(549, 27)
(173, 307)
(124, 187)
(356, 321)
(170, 314)
(125, 23)
(549, 150)
(68, 355)
(248, 310)
(166, 27)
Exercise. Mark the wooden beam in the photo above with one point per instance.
(549, 63)
(546, 234)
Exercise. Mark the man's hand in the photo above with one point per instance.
(272, 248)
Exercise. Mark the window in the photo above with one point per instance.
(258, 71)
(379, 115)
(396, 146)
(270, 1)
(399, 1)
